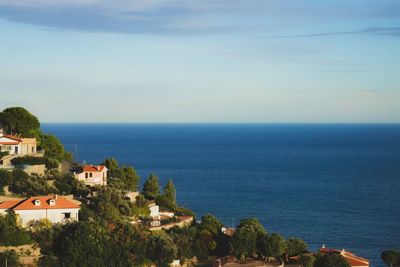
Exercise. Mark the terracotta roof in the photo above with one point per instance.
(91, 168)
(350, 257)
(13, 137)
(8, 204)
(60, 203)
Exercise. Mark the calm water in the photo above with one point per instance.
(336, 184)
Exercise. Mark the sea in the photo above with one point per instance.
(332, 184)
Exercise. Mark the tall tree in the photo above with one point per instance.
(17, 120)
(53, 148)
(151, 187)
(170, 193)
(247, 238)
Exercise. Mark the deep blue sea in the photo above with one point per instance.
(333, 184)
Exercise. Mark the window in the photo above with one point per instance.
(86, 175)
(91, 175)
(67, 215)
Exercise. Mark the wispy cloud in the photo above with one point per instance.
(194, 16)
(388, 31)
(349, 70)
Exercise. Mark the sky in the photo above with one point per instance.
(202, 60)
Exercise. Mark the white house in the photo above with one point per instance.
(17, 146)
(93, 175)
(53, 208)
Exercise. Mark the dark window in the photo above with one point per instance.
(86, 175)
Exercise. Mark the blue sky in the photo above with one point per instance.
(201, 61)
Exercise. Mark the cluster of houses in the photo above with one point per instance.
(57, 209)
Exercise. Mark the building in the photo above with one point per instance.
(93, 175)
(53, 208)
(350, 257)
(155, 214)
(17, 146)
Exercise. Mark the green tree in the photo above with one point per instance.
(17, 120)
(331, 260)
(244, 242)
(26, 185)
(9, 258)
(391, 258)
(111, 206)
(82, 244)
(53, 148)
(296, 246)
(112, 166)
(170, 194)
(151, 187)
(10, 233)
(273, 245)
(161, 249)
(307, 260)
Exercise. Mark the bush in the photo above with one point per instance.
(10, 233)
(26, 185)
(27, 160)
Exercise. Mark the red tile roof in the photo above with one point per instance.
(60, 203)
(12, 137)
(91, 168)
(350, 257)
(8, 204)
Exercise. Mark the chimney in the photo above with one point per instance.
(323, 245)
(55, 196)
(1, 132)
(342, 252)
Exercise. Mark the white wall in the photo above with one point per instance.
(53, 215)
(96, 179)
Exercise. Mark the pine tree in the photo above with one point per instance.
(151, 187)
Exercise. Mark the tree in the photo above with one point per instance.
(10, 233)
(273, 245)
(112, 166)
(53, 148)
(125, 178)
(391, 258)
(111, 206)
(151, 187)
(296, 246)
(9, 256)
(244, 242)
(170, 194)
(161, 249)
(307, 260)
(331, 260)
(26, 185)
(82, 244)
(17, 120)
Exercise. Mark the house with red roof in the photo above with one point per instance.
(351, 258)
(53, 208)
(93, 175)
(15, 145)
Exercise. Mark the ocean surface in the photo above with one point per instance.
(333, 184)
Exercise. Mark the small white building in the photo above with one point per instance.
(154, 214)
(53, 208)
(17, 146)
(93, 175)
